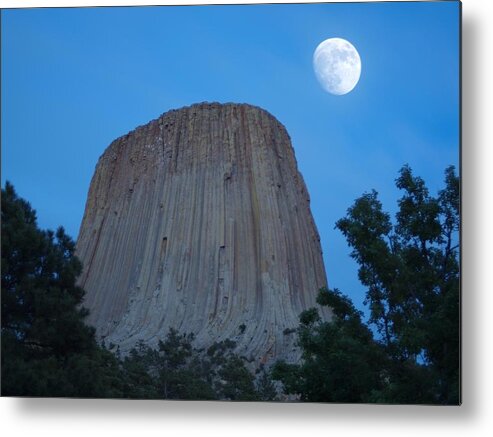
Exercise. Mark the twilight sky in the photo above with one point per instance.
(73, 80)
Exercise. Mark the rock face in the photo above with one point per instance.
(200, 221)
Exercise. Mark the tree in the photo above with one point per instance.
(174, 370)
(228, 373)
(47, 349)
(266, 389)
(341, 362)
(177, 370)
(410, 268)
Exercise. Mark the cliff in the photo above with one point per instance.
(200, 220)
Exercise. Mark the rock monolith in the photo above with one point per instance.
(200, 221)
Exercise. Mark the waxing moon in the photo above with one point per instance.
(337, 65)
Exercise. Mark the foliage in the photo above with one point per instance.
(177, 370)
(409, 352)
(411, 271)
(172, 371)
(47, 350)
(340, 363)
(266, 389)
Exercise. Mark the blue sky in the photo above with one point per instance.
(73, 80)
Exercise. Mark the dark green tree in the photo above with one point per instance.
(47, 349)
(266, 389)
(177, 370)
(235, 382)
(138, 383)
(174, 370)
(341, 361)
(411, 271)
(230, 377)
(410, 268)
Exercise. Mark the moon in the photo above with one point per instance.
(337, 65)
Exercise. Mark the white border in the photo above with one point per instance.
(54, 417)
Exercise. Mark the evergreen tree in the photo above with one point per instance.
(47, 349)
(172, 371)
(266, 389)
(177, 370)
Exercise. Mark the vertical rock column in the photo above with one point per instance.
(200, 221)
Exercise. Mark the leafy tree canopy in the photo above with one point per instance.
(410, 268)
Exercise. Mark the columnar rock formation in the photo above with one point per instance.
(200, 221)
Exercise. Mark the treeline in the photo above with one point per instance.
(408, 352)
(177, 370)
(48, 350)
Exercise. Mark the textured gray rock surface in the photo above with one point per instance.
(200, 220)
